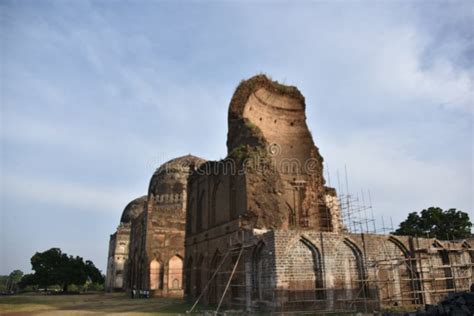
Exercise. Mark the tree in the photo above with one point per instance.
(27, 280)
(54, 267)
(94, 274)
(434, 222)
(73, 271)
(3, 283)
(47, 266)
(13, 280)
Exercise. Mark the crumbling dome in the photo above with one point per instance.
(133, 209)
(170, 178)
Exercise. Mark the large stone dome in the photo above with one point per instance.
(133, 209)
(171, 177)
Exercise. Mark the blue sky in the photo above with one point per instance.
(96, 95)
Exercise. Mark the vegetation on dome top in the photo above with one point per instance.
(247, 87)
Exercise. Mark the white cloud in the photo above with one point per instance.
(397, 71)
(66, 194)
(399, 182)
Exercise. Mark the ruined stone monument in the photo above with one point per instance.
(119, 245)
(268, 235)
(156, 252)
(261, 231)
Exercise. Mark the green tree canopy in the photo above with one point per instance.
(54, 267)
(436, 223)
(27, 280)
(13, 280)
(9, 283)
(93, 273)
(3, 283)
(47, 266)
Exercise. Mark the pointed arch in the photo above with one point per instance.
(354, 248)
(295, 240)
(318, 267)
(360, 267)
(437, 244)
(408, 273)
(292, 219)
(156, 275)
(305, 268)
(175, 273)
(400, 245)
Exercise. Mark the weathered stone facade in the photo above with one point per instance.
(295, 270)
(263, 232)
(260, 230)
(119, 246)
(157, 235)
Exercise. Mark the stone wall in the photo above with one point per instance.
(118, 256)
(291, 270)
(137, 267)
(283, 168)
(157, 238)
(119, 245)
(110, 274)
(270, 237)
(260, 231)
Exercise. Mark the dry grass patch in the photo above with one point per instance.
(88, 304)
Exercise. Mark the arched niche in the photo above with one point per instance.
(356, 274)
(156, 275)
(175, 273)
(306, 284)
(398, 279)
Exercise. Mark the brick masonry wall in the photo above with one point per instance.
(300, 269)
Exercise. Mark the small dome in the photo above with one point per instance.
(133, 209)
(180, 164)
(171, 176)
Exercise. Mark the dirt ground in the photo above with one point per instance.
(88, 304)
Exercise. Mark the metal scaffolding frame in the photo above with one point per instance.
(392, 279)
(402, 284)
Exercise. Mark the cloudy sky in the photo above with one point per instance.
(96, 95)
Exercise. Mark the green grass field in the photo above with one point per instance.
(89, 304)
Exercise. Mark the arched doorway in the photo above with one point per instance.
(398, 280)
(156, 275)
(305, 287)
(175, 273)
(354, 291)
